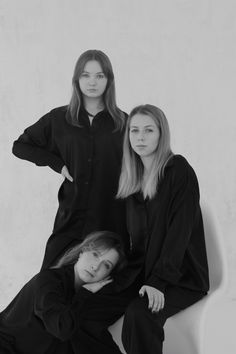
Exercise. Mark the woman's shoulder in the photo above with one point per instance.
(58, 112)
(53, 275)
(45, 279)
(179, 163)
(180, 168)
(48, 275)
(178, 160)
(55, 117)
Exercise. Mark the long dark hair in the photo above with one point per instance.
(97, 240)
(109, 96)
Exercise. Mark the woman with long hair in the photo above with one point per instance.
(46, 316)
(83, 142)
(165, 225)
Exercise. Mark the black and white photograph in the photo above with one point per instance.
(118, 176)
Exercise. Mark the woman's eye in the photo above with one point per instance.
(134, 130)
(95, 254)
(148, 130)
(108, 266)
(84, 75)
(100, 76)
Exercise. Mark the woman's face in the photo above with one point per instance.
(143, 135)
(95, 265)
(92, 80)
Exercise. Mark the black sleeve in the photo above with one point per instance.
(60, 318)
(183, 208)
(36, 145)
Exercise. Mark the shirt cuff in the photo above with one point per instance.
(157, 283)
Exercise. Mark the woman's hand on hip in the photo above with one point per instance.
(94, 287)
(156, 299)
(65, 173)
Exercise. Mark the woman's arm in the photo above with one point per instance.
(60, 317)
(35, 143)
(183, 212)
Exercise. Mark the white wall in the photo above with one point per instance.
(177, 54)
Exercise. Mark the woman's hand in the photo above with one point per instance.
(94, 287)
(156, 299)
(65, 173)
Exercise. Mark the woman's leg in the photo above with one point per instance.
(143, 330)
(100, 310)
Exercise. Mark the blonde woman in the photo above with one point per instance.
(166, 230)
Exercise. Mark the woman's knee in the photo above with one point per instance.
(141, 327)
(138, 311)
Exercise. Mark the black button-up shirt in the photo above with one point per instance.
(92, 154)
(167, 231)
(44, 316)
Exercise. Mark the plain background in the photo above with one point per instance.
(177, 54)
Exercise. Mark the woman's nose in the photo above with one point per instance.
(92, 81)
(141, 136)
(94, 266)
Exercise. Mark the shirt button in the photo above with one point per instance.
(86, 183)
(89, 160)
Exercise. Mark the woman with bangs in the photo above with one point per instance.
(166, 232)
(83, 142)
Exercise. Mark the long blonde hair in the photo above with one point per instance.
(132, 171)
(104, 240)
(109, 96)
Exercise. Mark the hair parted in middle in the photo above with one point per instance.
(98, 240)
(131, 178)
(109, 95)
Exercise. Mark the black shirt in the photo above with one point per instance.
(167, 233)
(45, 315)
(92, 154)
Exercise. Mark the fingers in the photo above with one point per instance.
(69, 178)
(156, 300)
(107, 278)
(153, 302)
(158, 303)
(65, 173)
(105, 282)
(142, 291)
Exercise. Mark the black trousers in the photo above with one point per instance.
(142, 332)
(100, 310)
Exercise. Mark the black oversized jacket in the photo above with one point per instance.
(166, 232)
(92, 154)
(44, 317)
